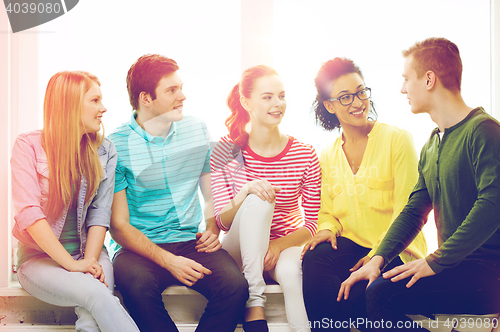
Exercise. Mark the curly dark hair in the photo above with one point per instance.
(330, 71)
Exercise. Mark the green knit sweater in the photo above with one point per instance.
(459, 177)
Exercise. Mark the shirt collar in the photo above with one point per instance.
(148, 137)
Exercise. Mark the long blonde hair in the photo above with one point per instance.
(71, 152)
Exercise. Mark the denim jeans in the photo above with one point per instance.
(324, 269)
(470, 287)
(95, 305)
(142, 281)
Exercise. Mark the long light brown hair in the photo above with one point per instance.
(71, 152)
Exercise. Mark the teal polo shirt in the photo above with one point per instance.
(161, 178)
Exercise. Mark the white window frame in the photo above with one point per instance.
(19, 99)
(19, 92)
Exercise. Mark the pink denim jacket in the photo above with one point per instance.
(30, 186)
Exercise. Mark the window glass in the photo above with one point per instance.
(106, 37)
(204, 37)
(373, 34)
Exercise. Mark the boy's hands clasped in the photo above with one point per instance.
(207, 242)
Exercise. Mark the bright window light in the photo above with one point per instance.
(373, 34)
(204, 37)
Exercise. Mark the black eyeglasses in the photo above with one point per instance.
(348, 98)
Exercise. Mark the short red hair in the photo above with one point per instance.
(145, 74)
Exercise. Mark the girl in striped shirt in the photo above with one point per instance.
(258, 179)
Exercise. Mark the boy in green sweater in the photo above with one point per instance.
(458, 178)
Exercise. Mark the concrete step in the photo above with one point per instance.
(19, 311)
(273, 327)
(32, 328)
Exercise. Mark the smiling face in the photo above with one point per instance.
(414, 87)
(355, 114)
(169, 99)
(267, 103)
(93, 109)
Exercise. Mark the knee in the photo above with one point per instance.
(256, 213)
(241, 289)
(256, 203)
(134, 282)
(289, 275)
(317, 256)
(376, 291)
(226, 279)
(236, 286)
(97, 296)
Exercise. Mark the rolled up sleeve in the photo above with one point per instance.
(99, 212)
(26, 192)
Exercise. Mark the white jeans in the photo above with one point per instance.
(247, 242)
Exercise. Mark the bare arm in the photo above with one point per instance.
(208, 241)
(185, 270)
(43, 235)
(95, 241)
(130, 237)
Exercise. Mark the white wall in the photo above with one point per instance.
(213, 41)
(19, 104)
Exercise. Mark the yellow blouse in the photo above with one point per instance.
(362, 206)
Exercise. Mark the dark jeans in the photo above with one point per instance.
(141, 283)
(323, 270)
(468, 288)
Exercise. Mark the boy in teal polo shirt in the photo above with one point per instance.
(163, 158)
(459, 172)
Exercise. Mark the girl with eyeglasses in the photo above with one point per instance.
(63, 178)
(261, 178)
(367, 176)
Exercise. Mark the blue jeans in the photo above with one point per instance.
(95, 305)
(468, 288)
(142, 281)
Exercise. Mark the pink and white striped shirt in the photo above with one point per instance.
(295, 170)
